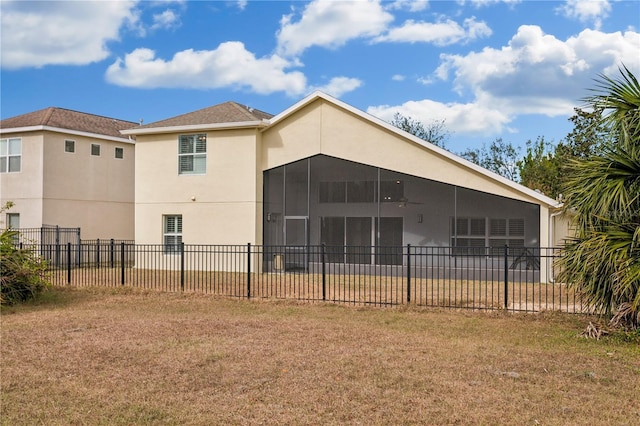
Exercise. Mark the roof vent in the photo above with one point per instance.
(250, 109)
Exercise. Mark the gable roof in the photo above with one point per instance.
(54, 118)
(227, 114)
(543, 199)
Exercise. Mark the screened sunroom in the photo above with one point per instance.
(366, 215)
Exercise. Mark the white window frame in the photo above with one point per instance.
(172, 233)
(13, 220)
(72, 144)
(115, 153)
(97, 145)
(192, 154)
(7, 154)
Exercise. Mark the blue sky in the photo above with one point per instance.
(488, 68)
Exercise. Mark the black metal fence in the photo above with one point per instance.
(515, 279)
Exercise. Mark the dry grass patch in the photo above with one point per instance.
(123, 356)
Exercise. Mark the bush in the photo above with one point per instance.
(22, 272)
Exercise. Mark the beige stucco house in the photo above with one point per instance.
(322, 172)
(70, 169)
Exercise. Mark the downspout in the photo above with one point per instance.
(552, 226)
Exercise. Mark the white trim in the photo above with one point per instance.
(195, 127)
(66, 132)
(549, 202)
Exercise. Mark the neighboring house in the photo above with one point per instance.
(70, 169)
(322, 172)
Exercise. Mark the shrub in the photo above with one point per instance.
(22, 272)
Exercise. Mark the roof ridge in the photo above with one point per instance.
(47, 115)
(245, 109)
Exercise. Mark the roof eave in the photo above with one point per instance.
(41, 128)
(196, 127)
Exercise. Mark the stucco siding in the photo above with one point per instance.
(218, 207)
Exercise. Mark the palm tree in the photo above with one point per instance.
(602, 261)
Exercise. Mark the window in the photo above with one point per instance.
(192, 154)
(95, 149)
(13, 220)
(119, 152)
(10, 155)
(69, 146)
(172, 233)
(473, 235)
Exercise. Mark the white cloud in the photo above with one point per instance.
(535, 73)
(441, 33)
(459, 118)
(398, 77)
(331, 24)
(483, 3)
(230, 65)
(167, 20)
(242, 4)
(410, 5)
(586, 10)
(338, 86)
(35, 34)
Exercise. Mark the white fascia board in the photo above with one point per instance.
(543, 199)
(195, 128)
(41, 128)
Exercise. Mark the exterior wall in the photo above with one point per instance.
(222, 206)
(324, 128)
(25, 188)
(95, 193)
(76, 189)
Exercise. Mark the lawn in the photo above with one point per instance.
(124, 356)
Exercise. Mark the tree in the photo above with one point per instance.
(435, 133)
(602, 195)
(500, 157)
(540, 168)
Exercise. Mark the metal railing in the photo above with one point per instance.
(519, 279)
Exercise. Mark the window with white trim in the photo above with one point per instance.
(95, 149)
(172, 233)
(472, 235)
(192, 154)
(10, 155)
(13, 220)
(69, 146)
(119, 153)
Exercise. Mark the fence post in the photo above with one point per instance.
(408, 273)
(111, 253)
(324, 272)
(506, 276)
(98, 253)
(122, 263)
(68, 263)
(57, 246)
(79, 246)
(181, 266)
(248, 270)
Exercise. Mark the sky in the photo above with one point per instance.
(488, 69)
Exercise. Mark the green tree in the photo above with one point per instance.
(540, 168)
(500, 157)
(436, 132)
(602, 195)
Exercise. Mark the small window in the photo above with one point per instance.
(119, 152)
(172, 233)
(13, 220)
(192, 154)
(10, 155)
(69, 146)
(95, 149)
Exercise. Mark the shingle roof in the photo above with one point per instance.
(227, 112)
(71, 120)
